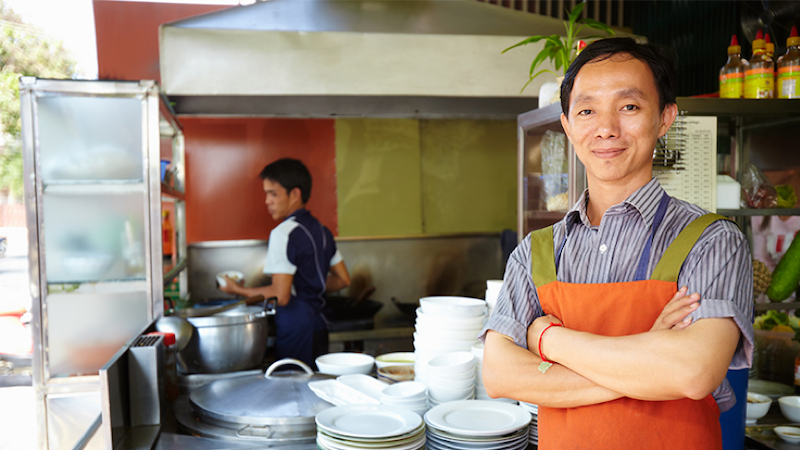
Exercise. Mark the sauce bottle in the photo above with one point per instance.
(788, 79)
(759, 80)
(731, 75)
(166, 237)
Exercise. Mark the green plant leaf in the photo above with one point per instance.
(576, 12)
(527, 41)
(598, 25)
(536, 75)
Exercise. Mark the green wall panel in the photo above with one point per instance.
(378, 177)
(469, 181)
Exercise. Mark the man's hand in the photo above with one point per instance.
(536, 329)
(231, 287)
(676, 313)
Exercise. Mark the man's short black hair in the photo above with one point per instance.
(661, 62)
(289, 173)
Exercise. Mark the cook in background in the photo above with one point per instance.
(634, 362)
(303, 261)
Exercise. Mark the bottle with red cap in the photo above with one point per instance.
(759, 79)
(170, 365)
(731, 75)
(788, 79)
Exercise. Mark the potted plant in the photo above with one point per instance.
(562, 50)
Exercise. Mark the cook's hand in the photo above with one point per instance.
(230, 286)
(535, 331)
(676, 313)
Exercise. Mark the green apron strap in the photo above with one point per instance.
(671, 262)
(543, 258)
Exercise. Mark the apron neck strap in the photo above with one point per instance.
(641, 269)
(542, 250)
(669, 267)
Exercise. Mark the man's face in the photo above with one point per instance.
(279, 202)
(614, 121)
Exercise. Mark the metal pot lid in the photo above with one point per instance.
(240, 315)
(281, 398)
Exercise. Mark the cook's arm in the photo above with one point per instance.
(658, 365)
(511, 371)
(338, 278)
(281, 288)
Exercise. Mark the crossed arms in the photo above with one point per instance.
(675, 359)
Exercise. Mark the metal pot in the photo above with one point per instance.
(273, 408)
(230, 341)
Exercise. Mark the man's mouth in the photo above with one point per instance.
(606, 153)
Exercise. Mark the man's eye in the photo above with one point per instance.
(630, 107)
(584, 112)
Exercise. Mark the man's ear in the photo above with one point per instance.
(296, 195)
(667, 118)
(565, 124)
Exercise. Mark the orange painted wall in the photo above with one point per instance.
(224, 196)
(127, 35)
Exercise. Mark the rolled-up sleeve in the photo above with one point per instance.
(517, 302)
(720, 269)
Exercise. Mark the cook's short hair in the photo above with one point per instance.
(289, 173)
(661, 62)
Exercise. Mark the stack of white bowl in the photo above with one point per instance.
(410, 395)
(445, 325)
(480, 390)
(451, 377)
(492, 290)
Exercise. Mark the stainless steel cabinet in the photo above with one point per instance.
(93, 195)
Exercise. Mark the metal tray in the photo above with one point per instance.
(763, 437)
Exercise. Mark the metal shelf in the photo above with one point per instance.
(98, 188)
(760, 212)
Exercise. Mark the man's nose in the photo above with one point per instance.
(607, 126)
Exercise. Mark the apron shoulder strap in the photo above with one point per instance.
(669, 267)
(543, 259)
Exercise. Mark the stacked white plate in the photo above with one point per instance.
(477, 424)
(445, 325)
(356, 427)
(533, 435)
(410, 395)
(480, 390)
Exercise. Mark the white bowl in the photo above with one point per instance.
(790, 407)
(757, 406)
(395, 359)
(450, 395)
(407, 390)
(443, 345)
(232, 274)
(451, 363)
(450, 323)
(345, 363)
(431, 332)
(453, 306)
(447, 383)
(788, 434)
(406, 404)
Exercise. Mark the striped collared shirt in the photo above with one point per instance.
(719, 267)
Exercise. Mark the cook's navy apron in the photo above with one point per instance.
(607, 309)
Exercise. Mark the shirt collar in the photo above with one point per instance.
(298, 213)
(644, 200)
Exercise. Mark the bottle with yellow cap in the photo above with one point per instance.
(759, 79)
(731, 75)
(788, 80)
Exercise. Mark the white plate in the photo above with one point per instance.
(769, 388)
(364, 384)
(518, 441)
(477, 417)
(368, 421)
(407, 443)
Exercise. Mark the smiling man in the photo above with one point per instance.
(303, 261)
(621, 320)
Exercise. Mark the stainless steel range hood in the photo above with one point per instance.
(323, 58)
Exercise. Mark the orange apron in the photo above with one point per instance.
(608, 309)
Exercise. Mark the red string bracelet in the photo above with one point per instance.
(545, 364)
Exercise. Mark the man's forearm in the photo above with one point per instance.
(512, 372)
(661, 365)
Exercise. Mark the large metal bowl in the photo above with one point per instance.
(226, 342)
